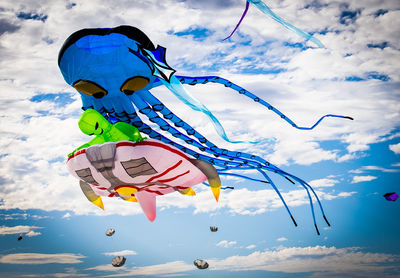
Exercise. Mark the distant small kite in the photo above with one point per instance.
(110, 232)
(392, 196)
(213, 228)
(200, 264)
(118, 261)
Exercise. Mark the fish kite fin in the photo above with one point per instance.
(90, 195)
(212, 175)
(147, 202)
(187, 191)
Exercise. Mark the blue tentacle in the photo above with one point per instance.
(240, 176)
(242, 91)
(312, 210)
(134, 119)
(158, 106)
(222, 187)
(305, 185)
(175, 86)
(153, 117)
(279, 194)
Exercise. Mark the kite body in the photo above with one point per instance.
(137, 172)
(114, 71)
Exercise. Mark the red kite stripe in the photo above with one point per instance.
(165, 172)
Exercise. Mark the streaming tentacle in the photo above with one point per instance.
(279, 194)
(158, 106)
(242, 91)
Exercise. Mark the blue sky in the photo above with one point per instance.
(350, 164)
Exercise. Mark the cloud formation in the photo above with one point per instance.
(38, 258)
(226, 244)
(121, 253)
(357, 179)
(320, 261)
(20, 229)
(395, 148)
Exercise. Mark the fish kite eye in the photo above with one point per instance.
(134, 84)
(90, 88)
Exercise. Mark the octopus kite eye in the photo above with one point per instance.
(90, 88)
(134, 84)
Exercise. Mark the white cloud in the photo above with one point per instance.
(69, 272)
(121, 253)
(395, 148)
(226, 244)
(346, 194)
(320, 259)
(170, 268)
(37, 258)
(357, 179)
(281, 239)
(363, 169)
(323, 183)
(13, 216)
(28, 230)
(67, 215)
(32, 233)
(357, 171)
(251, 246)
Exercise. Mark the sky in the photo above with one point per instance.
(350, 164)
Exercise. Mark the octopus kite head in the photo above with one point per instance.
(93, 123)
(104, 63)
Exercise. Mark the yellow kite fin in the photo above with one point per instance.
(187, 191)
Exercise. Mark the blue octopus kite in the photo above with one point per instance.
(114, 71)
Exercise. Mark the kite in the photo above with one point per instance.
(110, 232)
(266, 10)
(118, 261)
(392, 196)
(213, 229)
(114, 70)
(200, 264)
(138, 170)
